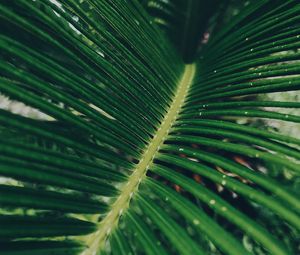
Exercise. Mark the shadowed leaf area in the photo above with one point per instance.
(149, 127)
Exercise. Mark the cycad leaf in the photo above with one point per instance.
(123, 120)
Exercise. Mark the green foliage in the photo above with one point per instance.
(110, 143)
(184, 21)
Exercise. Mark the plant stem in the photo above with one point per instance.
(96, 241)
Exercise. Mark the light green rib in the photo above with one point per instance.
(97, 240)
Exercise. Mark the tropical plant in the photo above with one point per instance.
(145, 140)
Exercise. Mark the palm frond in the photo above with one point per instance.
(135, 151)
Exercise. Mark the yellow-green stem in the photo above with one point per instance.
(97, 239)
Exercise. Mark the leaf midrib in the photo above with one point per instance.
(121, 204)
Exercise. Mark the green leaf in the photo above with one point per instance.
(146, 139)
(29, 226)
(42, 247)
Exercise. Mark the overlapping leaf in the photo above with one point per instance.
(118, 159)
